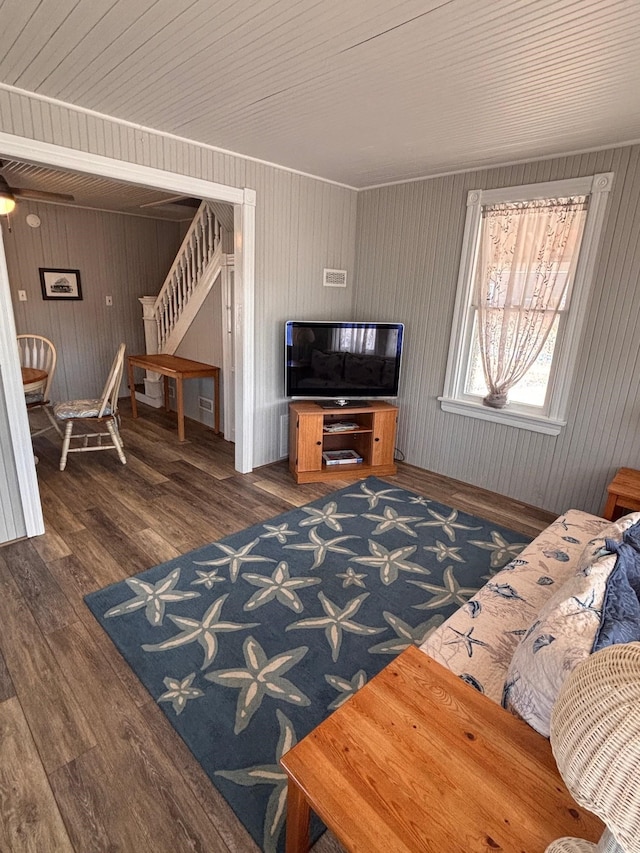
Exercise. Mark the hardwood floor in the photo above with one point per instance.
(88, 762)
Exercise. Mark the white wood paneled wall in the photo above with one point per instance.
(408, 250)
(12, 522)
(302, 226)
(124, 257)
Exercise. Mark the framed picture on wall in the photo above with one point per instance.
(60, 284)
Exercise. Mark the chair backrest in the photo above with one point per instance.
(109, 397)
(38, 351)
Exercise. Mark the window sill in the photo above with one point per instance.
(534, 423)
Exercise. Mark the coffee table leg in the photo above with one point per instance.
(297, 819)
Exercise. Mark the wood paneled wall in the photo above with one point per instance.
(122, 256)
(302, 226)
(408, 250)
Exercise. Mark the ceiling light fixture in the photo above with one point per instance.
(7, 199)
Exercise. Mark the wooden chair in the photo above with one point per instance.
(38, 352)
(101, 411)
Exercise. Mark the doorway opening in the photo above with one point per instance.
(241, 294)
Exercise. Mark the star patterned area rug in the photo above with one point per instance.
(248, 643)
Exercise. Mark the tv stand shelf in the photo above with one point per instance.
(373, 439)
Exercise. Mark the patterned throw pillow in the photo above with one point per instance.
(562, 634)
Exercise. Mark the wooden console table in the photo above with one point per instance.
(418, 760)
(174, 367)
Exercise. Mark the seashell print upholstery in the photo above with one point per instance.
(479, 640)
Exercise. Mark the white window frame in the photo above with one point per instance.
(454, 399)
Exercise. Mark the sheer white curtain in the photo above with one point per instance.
(366, 340)
(527, 257)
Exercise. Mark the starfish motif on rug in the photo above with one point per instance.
(235, 557)
(449, 524)
(345, 687)
(278, 532)
(450, 593)
(419, 500)
(444, 552)
(390, 520)
(261, 677)
(280, 586)
(203, 631)
(180, 692)
(406, 635)
(373, 497)
(321, 547)
(153, 597)
(336, 621)
(501, 550)
(352, 578)
(328, 515)
(390, 563)
(269, 774)
(208, 579)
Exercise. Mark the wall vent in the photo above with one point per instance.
(335, 278)
(205, 404)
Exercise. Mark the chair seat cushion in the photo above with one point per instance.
(34, 397)
(79, 409)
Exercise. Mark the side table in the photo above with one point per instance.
(420, 762)
(624, 493)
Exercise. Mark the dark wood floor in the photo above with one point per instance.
(88, 761)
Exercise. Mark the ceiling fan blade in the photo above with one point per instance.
(41, 195)
(184, 201)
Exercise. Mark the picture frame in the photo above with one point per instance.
(60, 283)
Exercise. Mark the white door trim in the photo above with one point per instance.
(244, 201)
(228, 349)
(16, 411)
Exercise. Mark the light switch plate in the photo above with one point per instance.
(22, 295)
(109, 300)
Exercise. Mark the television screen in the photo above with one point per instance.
(342, 359)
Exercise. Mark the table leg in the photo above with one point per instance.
(180, 406)
(165, 381)
(610, 508)
(297, 820)
(216, 403)
(132, 390)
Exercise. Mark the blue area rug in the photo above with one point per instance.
(250, 642)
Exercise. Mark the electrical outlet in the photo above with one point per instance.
(109, 300)
(22, 295)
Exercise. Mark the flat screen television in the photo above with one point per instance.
(342, 360)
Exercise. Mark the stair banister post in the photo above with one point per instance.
(153, 387)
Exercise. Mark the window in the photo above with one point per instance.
(527, 263)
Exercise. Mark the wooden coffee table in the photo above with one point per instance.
(418, 760)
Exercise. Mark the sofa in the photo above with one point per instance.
(526, 629)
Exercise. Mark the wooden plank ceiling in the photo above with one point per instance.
(361, 92)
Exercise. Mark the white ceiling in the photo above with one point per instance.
(357, 91)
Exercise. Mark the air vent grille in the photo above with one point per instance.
(335, 278)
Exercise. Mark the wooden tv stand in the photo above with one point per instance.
(373, 439)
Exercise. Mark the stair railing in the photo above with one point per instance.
(197, 249)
